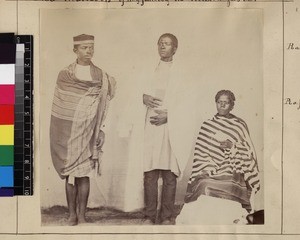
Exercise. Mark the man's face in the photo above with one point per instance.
(223, 105)
(84, 51)
(166, 48)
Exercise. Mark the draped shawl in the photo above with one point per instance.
(78, 111)
(231, 173)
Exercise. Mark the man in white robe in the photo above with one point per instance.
(159, 158)
(161, 137)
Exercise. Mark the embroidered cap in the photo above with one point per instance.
(83, 38)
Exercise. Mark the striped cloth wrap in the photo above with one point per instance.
(78, 111)
(225, 173)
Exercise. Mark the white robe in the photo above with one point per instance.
(179, 101)
(158, 153)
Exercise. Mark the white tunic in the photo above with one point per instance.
(83, 72)
(158, 153)
(181, 96)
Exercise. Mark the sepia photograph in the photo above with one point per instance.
(151, 117)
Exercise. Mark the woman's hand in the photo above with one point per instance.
(226, 144)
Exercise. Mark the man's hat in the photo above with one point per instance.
(83, 38)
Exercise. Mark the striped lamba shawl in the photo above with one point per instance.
(230, 174)
(78, 111)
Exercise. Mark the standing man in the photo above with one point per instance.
(80, 103)
(159, 124)
(159, 158)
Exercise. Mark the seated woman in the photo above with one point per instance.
(224, 173)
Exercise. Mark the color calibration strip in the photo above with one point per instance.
(16, 114)
(7, 101)
(23, 154)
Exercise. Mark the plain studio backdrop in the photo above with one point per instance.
(223, 47)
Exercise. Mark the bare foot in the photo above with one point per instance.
(82, 220)
(72, 221)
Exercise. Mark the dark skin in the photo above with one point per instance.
(166, 50)
(224, 107)
(152, 102)
(160, 119)
(78, 194)
(226, 144)
(84, 53)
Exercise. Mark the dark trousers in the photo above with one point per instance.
(151, 194)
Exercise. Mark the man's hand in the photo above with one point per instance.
(226, 144)
(160, 119)
(151, 102)
(101, 139)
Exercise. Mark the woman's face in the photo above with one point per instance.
(223, 105)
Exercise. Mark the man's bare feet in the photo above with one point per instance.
(72, 221)
(82, 220)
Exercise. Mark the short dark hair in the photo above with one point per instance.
(227, 93)
(172, 37)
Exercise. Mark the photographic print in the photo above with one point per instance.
(151, 117)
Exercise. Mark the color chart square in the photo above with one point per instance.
(7, 114)
(6, 155)
(7, 94)
(7, 75)
(7, 53)
(6, 134)
(7, 192)
(6, 176)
